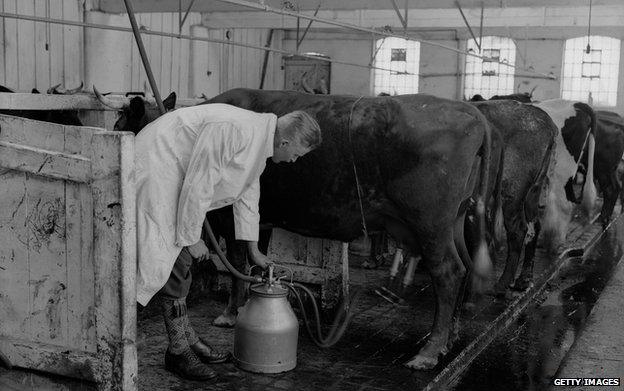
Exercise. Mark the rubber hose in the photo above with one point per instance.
(337, 329)
(224, 259)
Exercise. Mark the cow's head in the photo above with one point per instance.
(135, 112)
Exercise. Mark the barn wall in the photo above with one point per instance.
(38, 55)
(113, 62)
(219, 67)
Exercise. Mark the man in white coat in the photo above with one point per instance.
(188, 162)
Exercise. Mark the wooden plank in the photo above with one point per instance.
(128, 263)
(2, 49)
(14, 260)
(45, 225)
(55, 165)
(165, 56)
(55, 359)
(176, 61)
(22, 101)
(154, 49)
(26, 47)
(57, 49)
(106, 246)
(42, 53)
(72, 45)
(10, 47)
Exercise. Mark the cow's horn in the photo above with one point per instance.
(113, 104)
(52, 89)
(75, 90)
(532, 91)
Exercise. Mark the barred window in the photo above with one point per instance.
(591, 77)
(402, 58)
(487, 77)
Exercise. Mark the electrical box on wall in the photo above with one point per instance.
(307, 74)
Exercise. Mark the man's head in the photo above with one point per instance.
(297, 133)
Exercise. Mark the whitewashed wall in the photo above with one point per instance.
(38, 55)
(113, 62)
(219, 67)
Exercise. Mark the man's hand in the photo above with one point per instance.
(256, 256)
(199, 251)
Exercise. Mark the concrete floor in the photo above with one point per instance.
(382, 337)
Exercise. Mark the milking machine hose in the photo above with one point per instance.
(336, 330)
(223, 258)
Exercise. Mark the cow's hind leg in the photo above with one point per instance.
(526, 275)
(516, 228)
(446, 272)
(610, 192)
(237, 255)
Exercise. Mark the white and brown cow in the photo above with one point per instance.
(576, 122)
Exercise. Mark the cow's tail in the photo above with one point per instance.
(498, 224)
(540, 185)
(589, 187)
(482, 262)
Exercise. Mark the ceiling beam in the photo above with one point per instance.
(117, 6)
(606, 16)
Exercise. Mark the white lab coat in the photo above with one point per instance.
(188, 162)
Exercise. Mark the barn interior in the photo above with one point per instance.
(100, 338)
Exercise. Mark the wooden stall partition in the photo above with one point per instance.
(67, 251)
(318, 262)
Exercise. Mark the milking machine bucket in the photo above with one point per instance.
(266, 331)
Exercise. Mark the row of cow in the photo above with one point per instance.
(437, 175)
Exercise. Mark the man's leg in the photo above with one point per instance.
(179, 357)
(177, 288)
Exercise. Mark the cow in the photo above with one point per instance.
(576, 124)
(577, 136)
(419, 160)
(135, 112)
(523, 97)
(528, 136)
(419, 163)
(62, 117)
(609, 151)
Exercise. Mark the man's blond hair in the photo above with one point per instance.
(301, 127)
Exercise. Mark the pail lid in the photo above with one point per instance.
(266, 290)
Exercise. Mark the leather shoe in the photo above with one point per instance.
(187, 366)
(208, 354)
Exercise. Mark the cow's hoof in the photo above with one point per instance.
(224, 320)
(420, 362)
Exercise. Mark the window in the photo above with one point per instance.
(402, 58)
(592, 74)
(488, 77)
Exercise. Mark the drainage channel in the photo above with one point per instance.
(523, 348)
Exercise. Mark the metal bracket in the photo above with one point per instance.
(299, 41)
(181, 19)
(398, 12)
(468, 25)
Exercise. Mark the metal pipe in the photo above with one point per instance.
(188, 37)
(267, 8)
(143, 53)
(474, 38)
(266, 59)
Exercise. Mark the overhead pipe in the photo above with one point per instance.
(143, 53)
(266, 8)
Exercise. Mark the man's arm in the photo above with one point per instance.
(247, 222)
